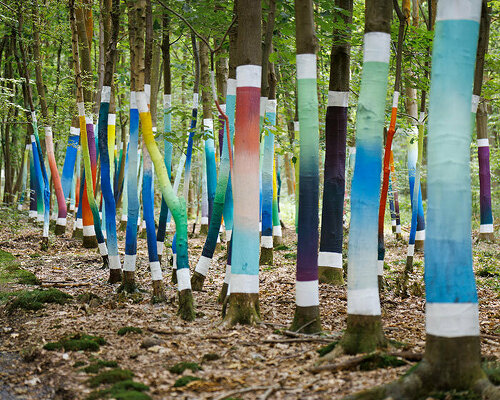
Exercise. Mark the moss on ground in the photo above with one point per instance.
(179, 368)
(95, 367)
(326, 349)
(128, 329)
(378, 360)
(111, 376)
(124, 390)
(492, 369)
(77, 342)
(183, 381)
(210, 357)
(11, 271)
(454, 395)
(35, 299)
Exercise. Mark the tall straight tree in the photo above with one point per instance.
(330, 251)
(452, 358)
(306, 286)
(244, 284)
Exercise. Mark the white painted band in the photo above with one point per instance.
(88, 120)
(486, 228)
(306, 66)
(266, 242)
(244, 283)
(380, 267)
(111, 119)
(19, 207)
(147, 91)
(377, 47)
(483, 142)
(28, 146)
(208, 123)
(398, 228)
(100, 214)
(231, 87)
(142, 103)
(61, 221)
(395, 99)
(421, 118)
(39, 217)
(271, 106)
(32, 214)
(420, 235)
(227, 276)
(452, 319)
(229, 234)
(458, 9)
(88, 230)
(155, 268)
(263, 101)
(71, 207)
(204, 220)
(159, 248)
(306, 293)
(129, 262)
(277, 231)
(296, 126)
(411, 250)
(174, 261)
(104, 234)
(81, 109)
(475, 103)
(45, 230)
(363, 301)
(105, 94)
(203, 265)
(329, 259)
(260, 226)
(393, 222)
(183, 279)
(103, 250)
(114, 262)
(33, 139)
(79, 223)
(223, 108)
(33, 116)
(133, 100)
(124, 217)
(195, 100)
(48, 131)
(248, 75)
(167, 100)
(338, 99)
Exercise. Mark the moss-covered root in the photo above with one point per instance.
(243, 308)
(115, 275)
(59, 230)
(223, 293)
(487, 237)
(266, 256)
(44, 244)
(77, 233)
(277, 241)
(186, 305)
(128, 284)
(449, 364)
(333, 276)
(159, 295)
(306, 320)
(204, 229)
(197, 281)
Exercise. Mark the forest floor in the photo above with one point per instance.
(264, 359)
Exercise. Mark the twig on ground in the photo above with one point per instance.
(299, 340)
(245, 390)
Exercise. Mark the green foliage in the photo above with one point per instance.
(128, 329)
(290, 256)
(111, 376)
(282, 247)
(35, 299)
(76, 342)
(179, 368)
(183, 381)
(326, 349)
(78, 364)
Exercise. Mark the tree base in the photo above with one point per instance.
(364, 334)
(488, 237)
(266, 256)
(128, 284)
(142, 234)
(223, 293)
(186, 305)
(448, 364)
(89, 242)
(158, 293)
(115, 276)
(203, 229)
(105, 262)
(77, 233)
(243, 308)
(306, 320)
(123, 226)
(333, 276)
(399, 236)
(44, 243)
(174, 277)
(277, 241)
(197, 281)
(419, 245)
(59, 230)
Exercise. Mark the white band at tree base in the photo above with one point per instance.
(393, 222)
(338, 99)
(88, 230)
(248, 75)
(411, 250)
(306, 293)
(79, 223)
(204, 220)
(266, 242)
(380, 267)
(483, 142)
(39, 217)
(71, 207)
(174, 261)
(398, 228)
(32, 214)
(363, 301)
(306, 66)
(227, 276)
(159, 248)
(243, 283)
(420, 235)
(61, 221)
(114, 262)
(452, 319)
(129, 262)
(486, 228)
(277, 231)
(156, 274)
(183, 279)
(329, 259)
(103, 250)
(203, 265)
(377, 47)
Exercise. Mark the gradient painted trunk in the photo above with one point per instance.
(33, 185)
(132, 194)
(296, 130)
(211, 167)
(24, 177)
(124, 217)
(189, 151)
(277, 234)
(106, 126)
(330, 250)
(452, 303)
(395, 195)
(69, 161)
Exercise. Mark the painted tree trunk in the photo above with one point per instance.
(395, 195)
(277, 233)
(69, 161)
(24, 177)
(33, 198)
(211, 167)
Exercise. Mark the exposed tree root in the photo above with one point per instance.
(266, 256)
(333, 276)
(186, 305)
(197, 281)
(243, 308)
(128, 284)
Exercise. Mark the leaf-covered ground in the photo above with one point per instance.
(265, 359)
